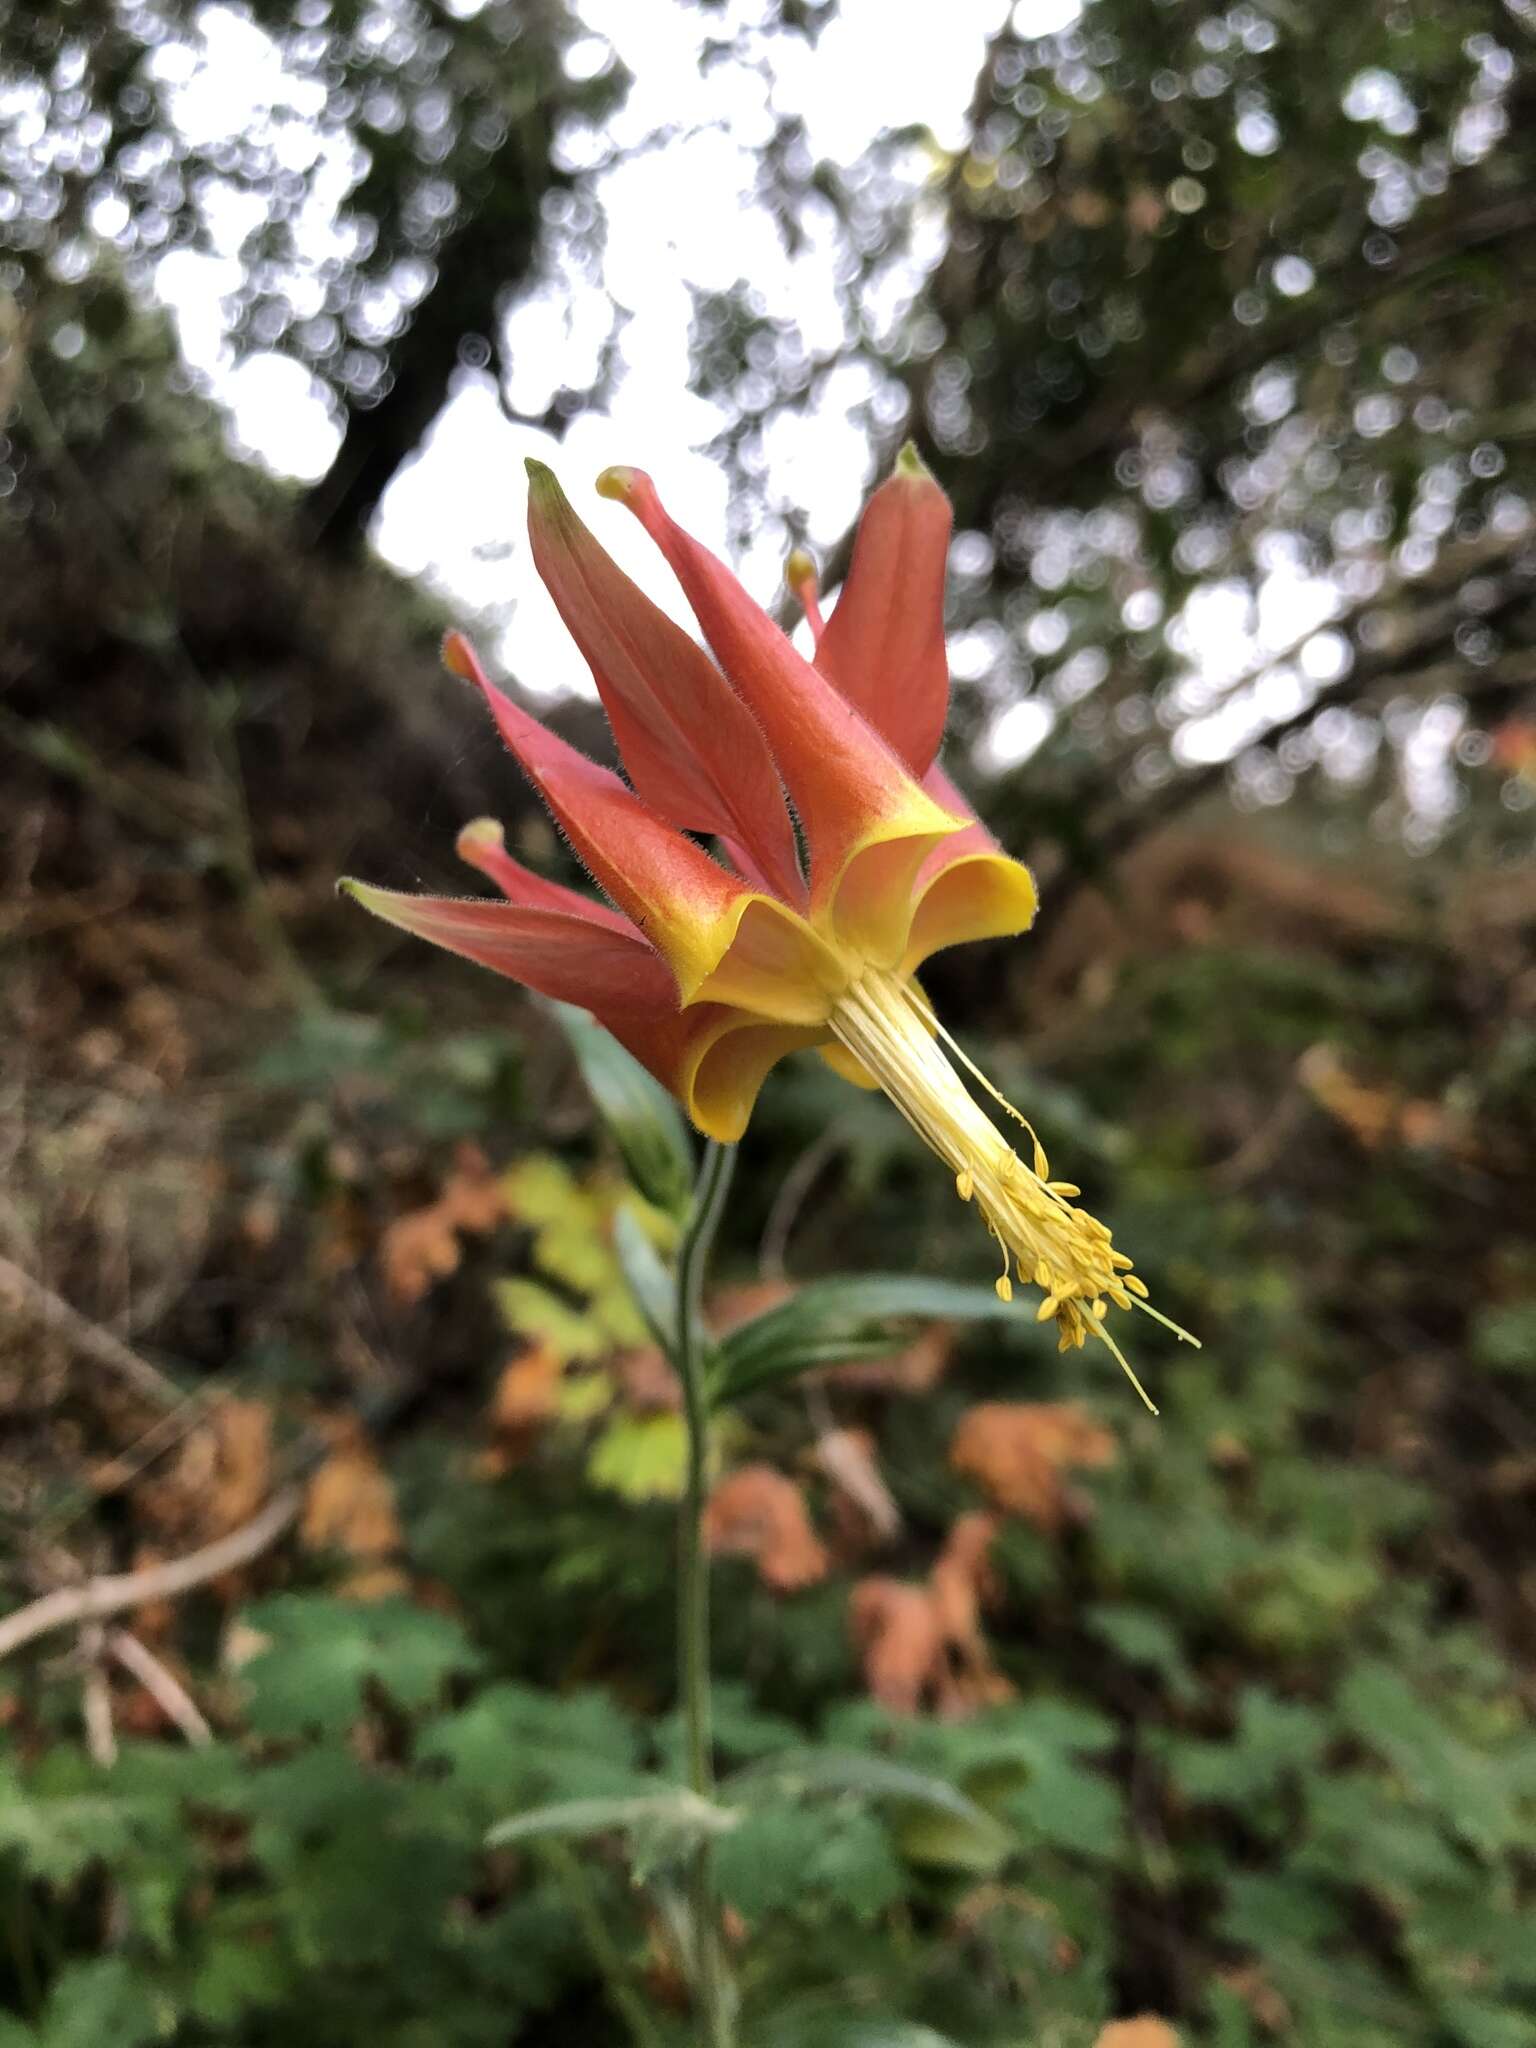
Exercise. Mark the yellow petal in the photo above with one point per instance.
(979, 896)
(729, 1066)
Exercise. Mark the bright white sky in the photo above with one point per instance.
(677, 216)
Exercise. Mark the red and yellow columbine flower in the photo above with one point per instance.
(710, 969)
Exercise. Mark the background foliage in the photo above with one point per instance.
(1218, 305)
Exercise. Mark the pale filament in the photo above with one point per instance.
(888, 1027)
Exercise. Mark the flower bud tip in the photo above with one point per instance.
(479, 836)
(459, 658)
(619, 482)
(910, 464)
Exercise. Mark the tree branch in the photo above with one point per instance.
(162, 1685)
(1214, 367)
(115, 1593)
(1429, 652)
(89, 1338)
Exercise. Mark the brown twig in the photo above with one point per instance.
(96, 1699)
(790, 1199)
(89, 1338)
(162, 1685)
(115, 1593)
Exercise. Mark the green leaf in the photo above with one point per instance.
(320, 1655)
(1274, 1739)
(641, 1457)
(1269, 1912)
(533, 1311)
(649, 1281)
(1504, 1338)
(942, 1841)
(807, 1773)
(1477, 2024)
(935, 1824)
(784, 1856)
(58, 1831)
(1361, 1831)
(674, 1810)
(58, 1838)
(513, 1744)
(1071, 1808)
(236, 1976)
(646, 1124)
(1142, 1636)
(829, 1321)
(827, 2030)
(1468, 1786)
(102, 2001)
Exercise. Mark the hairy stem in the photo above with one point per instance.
(626, 1999)
(714, 1991)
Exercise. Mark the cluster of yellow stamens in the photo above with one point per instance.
(888, 1027)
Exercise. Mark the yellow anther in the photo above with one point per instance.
(886, 1023)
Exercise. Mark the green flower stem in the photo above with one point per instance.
(715, 1994)
(627, 2001)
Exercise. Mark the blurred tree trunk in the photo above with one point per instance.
(486, 258)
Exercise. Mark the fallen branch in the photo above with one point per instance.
(162, 1685)
(115, 1593)
(96, 1700)
(89, 1338)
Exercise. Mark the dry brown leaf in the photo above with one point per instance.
(349, 1507)
(423, 1245)
(1018, 1451)
(1248, 1982)
(922, 1645)
(1145, 2032)
(415, 1250)
(963, 1580)
(1377, 1116)
(473, 1192)
(756, 1512)
(375, 1582)
(916, 1370)
(982, 1902)
(527, 1391)
(220, 1476)
(733, 1306)
(243, 1430)
(900, 1638)
(647, 1381)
